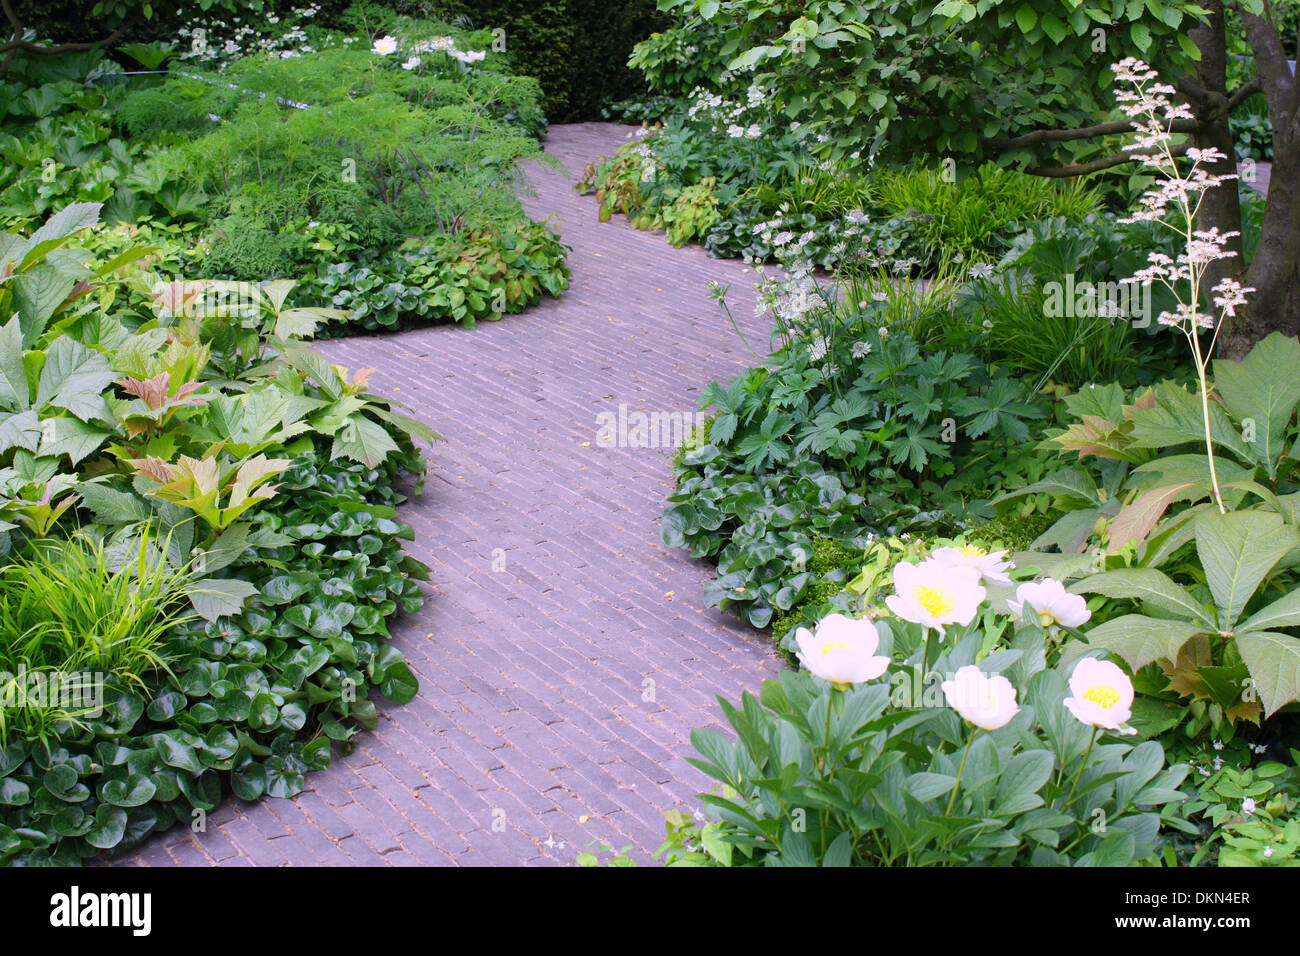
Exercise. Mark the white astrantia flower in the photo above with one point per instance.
(935, 594)
(841, 650)
(861, 349)
(1102, 695)
(817, 348)
(1051, 602)
(987, 702)
(992, 567)
(384, 46)
(981, 270)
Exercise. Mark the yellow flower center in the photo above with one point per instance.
(935, 600)
(971, 551)
(836, 646)
(1102, 696)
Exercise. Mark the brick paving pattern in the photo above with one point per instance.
(564, 654)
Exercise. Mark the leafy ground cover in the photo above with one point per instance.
(383, 177)
(197, 516)
(976, 483)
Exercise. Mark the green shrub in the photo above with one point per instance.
(874, 775)
(890, 441)
(972, 215)
(154, 419)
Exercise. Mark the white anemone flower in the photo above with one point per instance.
(934, 594)
(993, 567)
(987, 702)
(1053, 604)
(384, 46)
(1102, 695)
(841, 650)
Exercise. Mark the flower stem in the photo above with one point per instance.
(960, 770)
(1086, 754)
(1201, 362)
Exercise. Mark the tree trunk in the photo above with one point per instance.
(1274, 273)
(1207, 94)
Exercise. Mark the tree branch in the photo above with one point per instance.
(1271, 64)
(1086, 132)
(1096, 165)
(17, 43)
(1245, 92)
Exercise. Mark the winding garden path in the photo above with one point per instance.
(564, 654)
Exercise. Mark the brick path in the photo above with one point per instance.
(553, 610)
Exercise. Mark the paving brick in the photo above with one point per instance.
(531, 681)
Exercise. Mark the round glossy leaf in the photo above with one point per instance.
(109, 828)
(132, 791)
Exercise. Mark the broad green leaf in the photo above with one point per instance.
(37, 295)
(1237, 550)
(1176, 418)
(111, 505)
(1068, 482)
(1274, 662)
(75, 377)
(363, 440)
(1139, 639)
(219, 597)
(1148, 585)
(1262, 391)
(1284, 612)
(20, 431)
(15, 393)
(69, 436)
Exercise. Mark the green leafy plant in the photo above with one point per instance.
(864, 776)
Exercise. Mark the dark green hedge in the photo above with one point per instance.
(577, 49)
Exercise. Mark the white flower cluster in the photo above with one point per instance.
(1153, 114)
(388, 45)
(219, 42)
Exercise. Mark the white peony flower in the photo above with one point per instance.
(384, 46)
(1103, 695)
(1052, 602)
(991, 567)
(987, 702)
(934, 594)
(841, 650)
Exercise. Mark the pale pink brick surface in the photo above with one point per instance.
(531, 678)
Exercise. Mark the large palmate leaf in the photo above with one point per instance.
(1140, 639)
(69, 436)
(1274, 662)
(1237, 550)
(1149, 586)
(363, 440)
(1137, 518)
(75, 377)
(1262, 391)
(15, 392)
(1284, 612)
(1176, 418)
(219, 597)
